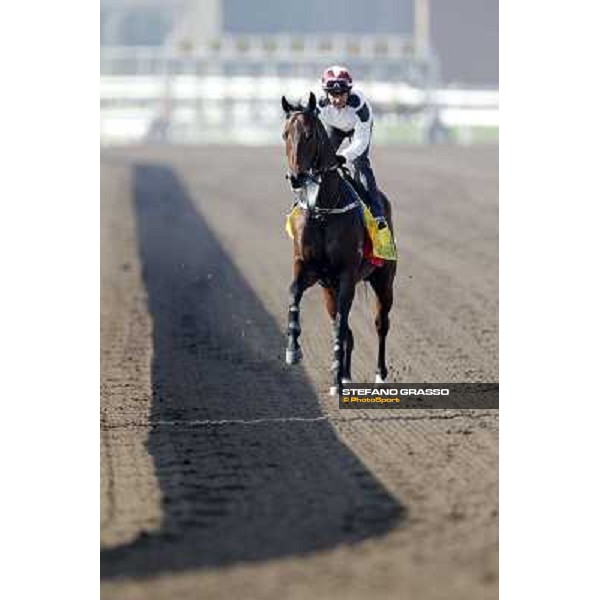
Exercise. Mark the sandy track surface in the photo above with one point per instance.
(225, 473)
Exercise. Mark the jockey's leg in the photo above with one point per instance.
(383, 240)
(364, 173)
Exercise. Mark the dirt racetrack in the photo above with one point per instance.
(226, 474)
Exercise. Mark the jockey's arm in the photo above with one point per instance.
(362, 133)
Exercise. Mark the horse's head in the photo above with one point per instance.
(302, 137)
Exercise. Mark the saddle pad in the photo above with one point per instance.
(383, 241)
(288, 220)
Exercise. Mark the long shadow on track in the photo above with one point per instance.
(237, 491)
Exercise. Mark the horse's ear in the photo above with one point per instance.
(285, 105)
(312, 102)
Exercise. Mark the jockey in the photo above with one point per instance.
(347, 114)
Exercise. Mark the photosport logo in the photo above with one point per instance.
(419, 395)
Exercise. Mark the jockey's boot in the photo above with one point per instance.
(381, 223)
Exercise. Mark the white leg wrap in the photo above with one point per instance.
(293, 357)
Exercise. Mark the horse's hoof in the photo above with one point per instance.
(334, 390)
(346, 380)
(379, 378)
(293, 357)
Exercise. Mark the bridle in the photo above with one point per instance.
(300, 182)
(313, 172)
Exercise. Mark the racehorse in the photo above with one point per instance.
(328, 242)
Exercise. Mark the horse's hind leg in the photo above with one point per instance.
(302, 281)
(346, 358)
(382, 282)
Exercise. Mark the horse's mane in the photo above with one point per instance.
(325, 140)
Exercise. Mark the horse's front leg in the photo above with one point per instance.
(331, 304)
(341, 362)
(302, 281)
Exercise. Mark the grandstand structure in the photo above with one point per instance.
(197, 71)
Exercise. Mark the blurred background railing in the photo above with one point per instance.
(181, 78)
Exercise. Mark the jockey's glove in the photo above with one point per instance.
(341, 160)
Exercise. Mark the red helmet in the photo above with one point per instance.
(336, 79)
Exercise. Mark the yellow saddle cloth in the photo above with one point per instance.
(288, 220)
(382, 239)
(384, 246)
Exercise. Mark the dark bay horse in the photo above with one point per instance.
(328, 244)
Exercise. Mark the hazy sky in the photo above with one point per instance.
(381, 16)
